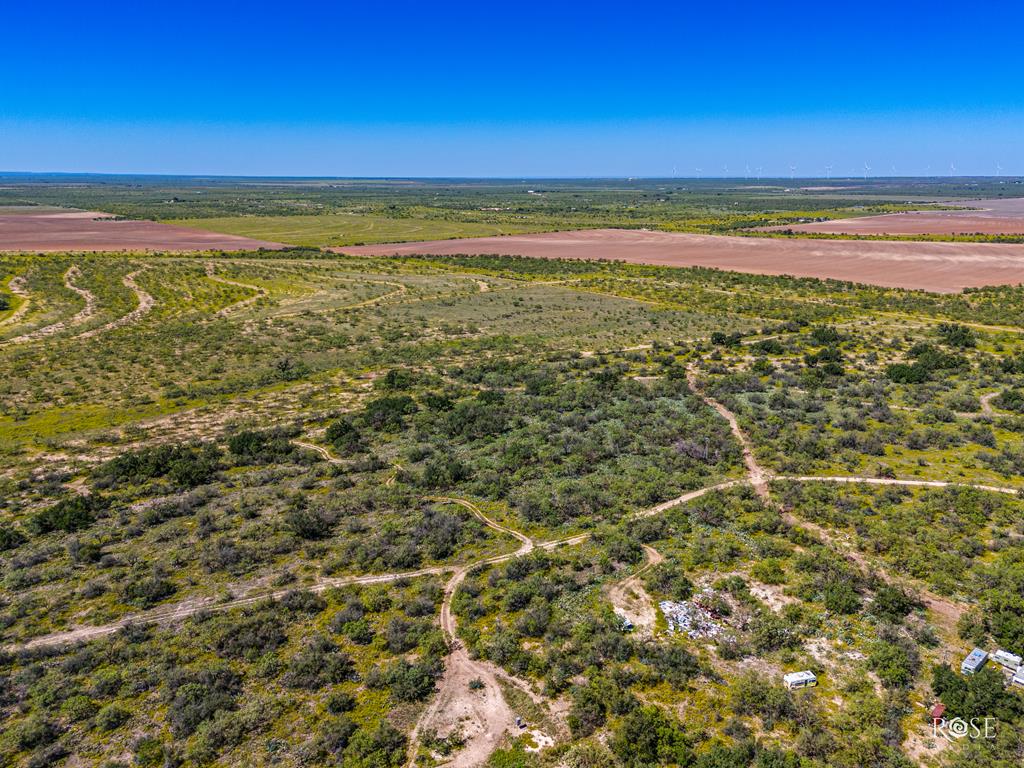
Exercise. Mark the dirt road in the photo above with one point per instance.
(17, 286)
(259, 291)
(757, 475)
(144, 303)
(479, 714)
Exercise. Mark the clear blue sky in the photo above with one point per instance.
(512, 89)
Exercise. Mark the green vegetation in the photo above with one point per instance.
(352, 229)
(337, 212)
(246, 512)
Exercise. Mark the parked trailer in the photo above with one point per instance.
(805, 679)
(974, 662)
(1006, 659)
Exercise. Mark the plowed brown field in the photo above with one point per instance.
(943, 267)
(61, 230)
(992, 217)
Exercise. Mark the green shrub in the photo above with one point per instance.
(68, 515)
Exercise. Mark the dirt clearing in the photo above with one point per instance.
(942, 267)
(49, 230)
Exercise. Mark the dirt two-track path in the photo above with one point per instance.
(630, 598)
(18, 287)
(144, 303)
(70, 276)
(259, 291)
(757, 475)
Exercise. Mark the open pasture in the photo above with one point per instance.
(350, 228)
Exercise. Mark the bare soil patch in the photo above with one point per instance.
(46, 231)
(993, 217)
(631, 600)
(941, 267)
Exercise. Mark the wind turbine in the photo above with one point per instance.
(867, 170)
(759, 169)
(698, 172)
(746, 174)
(725, 171)
(828, 172)
(952, 168)
(792, 172)
(999, 170)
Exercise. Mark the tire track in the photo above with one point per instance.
(72, 274)
(17, 286)
(261, 292)
(145, 303)
(757, 475)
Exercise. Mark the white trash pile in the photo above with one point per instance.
(691, 618)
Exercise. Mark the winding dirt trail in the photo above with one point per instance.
(180, 611)
(522, 538)
(72, 274)
(18, 287)
(144, 304)
(325, 454)
(260, 291)
(757, 475)
(986, 403)
(895, 481)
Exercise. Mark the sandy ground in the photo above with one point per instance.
(46, 231)
(994, 217)
(943, 267)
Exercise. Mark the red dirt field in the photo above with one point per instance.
(50, 230)
(942, 267)
(994, 217)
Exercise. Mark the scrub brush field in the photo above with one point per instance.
(299, 508)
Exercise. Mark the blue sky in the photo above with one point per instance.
(512, 89)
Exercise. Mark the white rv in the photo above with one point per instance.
(805, 679)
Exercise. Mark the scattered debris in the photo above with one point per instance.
(626, 625)
(695, 618)
(540, 741)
